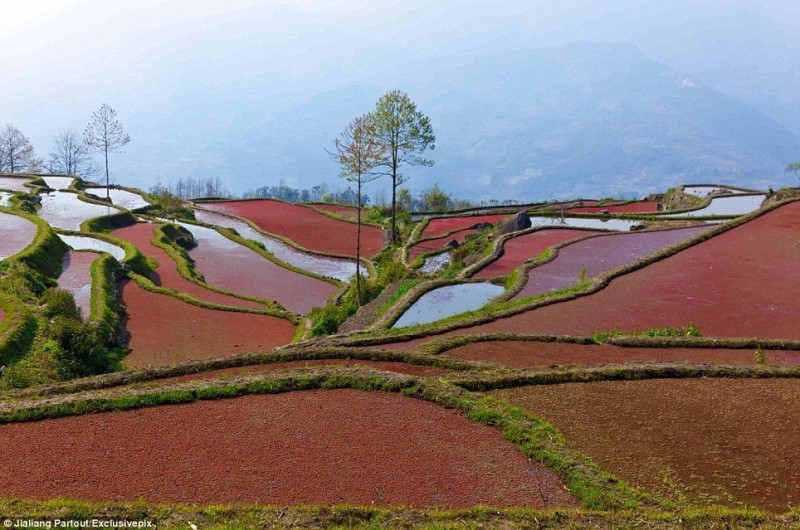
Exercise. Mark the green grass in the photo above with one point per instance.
(669, 331)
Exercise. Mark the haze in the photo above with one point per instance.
(252, 92)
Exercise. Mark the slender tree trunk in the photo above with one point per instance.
(108, 193)
(358, 242)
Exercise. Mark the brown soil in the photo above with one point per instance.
(2, 315)
(415, 370)
(440, 226)
(519, 249)
(76, 277)
(167, 274)
(522, 354)
(742, 283)
(16, 233)
(164, 330)
(309, 229)
(312, 447)
(728, 441)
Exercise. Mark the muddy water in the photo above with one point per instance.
(581, 222)
(122, 198)
(447, 301)
(14, 184)
(436, 263)
(334, 268)
(58, 183)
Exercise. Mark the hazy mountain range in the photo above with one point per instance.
(529, 100)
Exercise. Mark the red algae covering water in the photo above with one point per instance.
(441, 225)
(523, 354)
(309, 229)
(312, 447)
(434, 244)
(519, 249)
(76, 277)
(16, 233)
(339, 209)
(141, 234)
(741, 283)
(598, 255)
(631, 207)
(164, 330)
(722, 441)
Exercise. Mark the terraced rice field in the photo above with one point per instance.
(76, 277)
(341, 269)
(350, 212)
(348, 446)
(122, 198)
(519, 249)
(235, 268)
(523, 354)
(167, 275)
(164, 330)
(729, 205)
(447, 301)
(434, 244)
(65, 210)
(16, 233)
(304, 226)
(14, 184)
(741, 283)
(58, 183)
(725, 441)
(91, 243)
(597, 255)
(631, 207)
(440, 226)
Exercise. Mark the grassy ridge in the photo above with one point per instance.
(17, 329)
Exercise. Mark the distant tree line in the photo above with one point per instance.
(192, 188)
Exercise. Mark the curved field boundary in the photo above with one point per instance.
(623, 372)
(186, 271)
(238, 239)
(723, 186)
(480, 210)
(508, 309)
(285, 354)
(335, 215)
(21, 184)
(135, 191)
(493, 219)
(17, 328)
(536, 439)
(286, 239)
(704, 203)
(46, 252)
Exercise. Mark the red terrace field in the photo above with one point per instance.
(16, 233)
(725, 441)
(433, 244)
(76, 277)
(631, 207)
(519, 249)
(441, 225)
(239, 269)
(309, 229)
(598, 255)
(2, 315)
(339, 209)
(164, 330)
(415, 370)
(521, 354)
(167, 274)
(742, 283)
(348, 446)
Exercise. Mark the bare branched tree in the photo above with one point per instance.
(358, 152)
(70, 155)
(405, 133)
(794, 169)
(104, 134)
(16, 151)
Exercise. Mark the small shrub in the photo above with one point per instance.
(761, 358)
